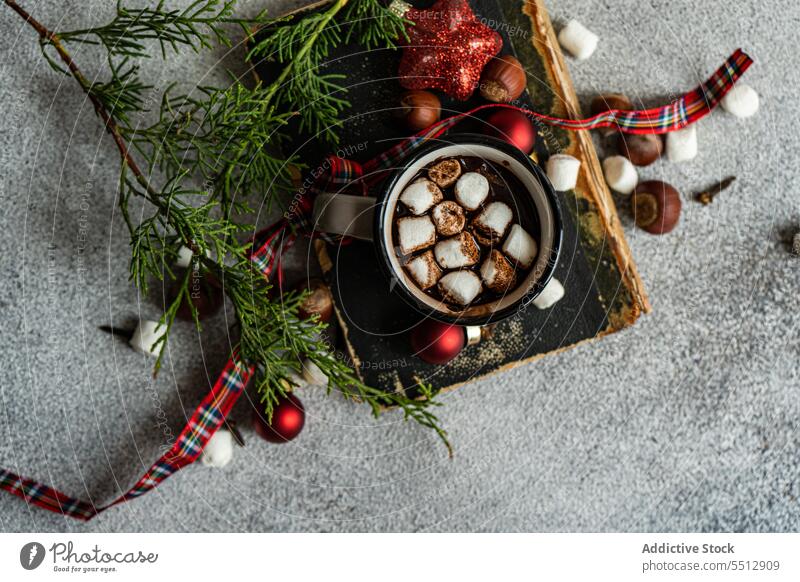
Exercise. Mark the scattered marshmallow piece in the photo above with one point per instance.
(421, 195)
(550, 295)
(562, 169)
(471, 190)
(312, 374)
(415, 233)
(424, 270)
(147, 333)
(578, 40)
(682, 144)
(741, 101)
(497, 273)
(184, 259)
(458, 251)
(520, 246)
(621, 174)
(185, 254)
(491, 224)
(460, 287)
(448, 217)
(218, 451)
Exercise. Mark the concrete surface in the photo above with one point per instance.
(686, 422)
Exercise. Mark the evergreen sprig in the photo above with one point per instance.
(213, 152)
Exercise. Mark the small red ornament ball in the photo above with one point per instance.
(437, 342)
(512, 127)
(288, 418)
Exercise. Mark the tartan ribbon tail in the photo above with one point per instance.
(205, 421)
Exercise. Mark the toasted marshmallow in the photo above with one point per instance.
(491, 224)
(460, 287)
(471, 190)
(424, 270)
(420, 196)
(458, 251)
(415, 233)
(497, 273)
(448, 217)
(520, 247)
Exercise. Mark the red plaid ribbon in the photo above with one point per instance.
(339, 175)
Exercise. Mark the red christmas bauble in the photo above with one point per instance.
(447, 49)
(288, 418)
(437, 342)
(512, 127)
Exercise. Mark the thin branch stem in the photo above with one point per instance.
(48, 36)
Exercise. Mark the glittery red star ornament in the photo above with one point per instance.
(447, 49)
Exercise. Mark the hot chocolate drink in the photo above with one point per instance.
(465, 231)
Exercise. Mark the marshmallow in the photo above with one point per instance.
(458, 251)
(471, 190)
(491, 224)
(448, 217)
(312, 374)
(147, 333)
(218, 451)
(424, 270)
(421, 195)
(497, 273)
(562, 169)
(185, 254)
(445, 173)
(415, 233)
(520, 247)
(460, 287)
(682, 144)
(184, 259)
(578, 40)
(741, 101)
(550, 295)
(620, 174)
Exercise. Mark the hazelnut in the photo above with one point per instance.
(603, 103)
(205, 296)
(656, 206)
(641, 149)
(318, 302)
(503, 80)
(419, 109)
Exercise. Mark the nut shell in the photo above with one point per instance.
(603, 103)
(656, 206)
(503, 80)
(419, 109)
(641, 149)
(319, 301)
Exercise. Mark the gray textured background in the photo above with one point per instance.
(685, 422)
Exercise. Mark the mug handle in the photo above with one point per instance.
(344, 214)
